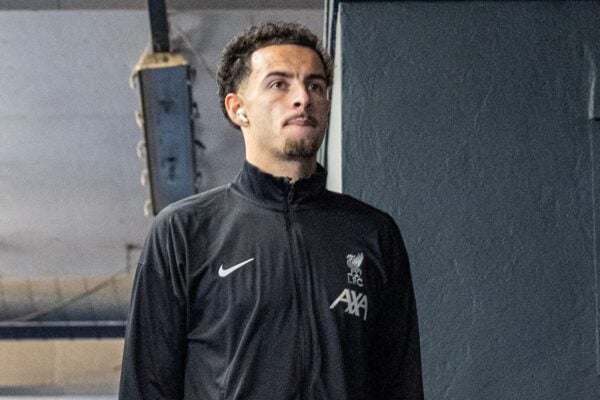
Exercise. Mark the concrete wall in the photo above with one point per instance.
(475, 125)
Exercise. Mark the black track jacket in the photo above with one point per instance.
(266, 290)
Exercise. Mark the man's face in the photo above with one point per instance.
(285, 101)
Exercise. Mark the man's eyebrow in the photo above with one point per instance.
(277, 73)
(288, 75)
(316, 76)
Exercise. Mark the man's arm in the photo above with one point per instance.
(155, 339)
(395, 351)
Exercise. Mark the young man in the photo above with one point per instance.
(273, 287)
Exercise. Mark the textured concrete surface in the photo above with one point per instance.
(470, 123)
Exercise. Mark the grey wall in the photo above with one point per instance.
(71, 202)
(472, 123)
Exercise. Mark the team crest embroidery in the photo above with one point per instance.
(354, 262)
(356, 302)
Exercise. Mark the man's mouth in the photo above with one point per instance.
(301, 121)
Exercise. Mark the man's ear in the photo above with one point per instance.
(234, 105)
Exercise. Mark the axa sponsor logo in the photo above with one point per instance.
(355, 303)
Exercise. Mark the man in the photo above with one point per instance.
(273, 287)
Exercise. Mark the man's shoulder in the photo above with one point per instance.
(358, 208)
(200, 204)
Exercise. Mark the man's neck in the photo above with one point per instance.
(293, 169)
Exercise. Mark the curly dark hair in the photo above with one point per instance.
(234, 66)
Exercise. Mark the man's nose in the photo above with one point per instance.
(301, 97)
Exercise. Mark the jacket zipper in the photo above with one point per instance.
(289, 219)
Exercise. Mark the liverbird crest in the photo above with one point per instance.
(354, 262)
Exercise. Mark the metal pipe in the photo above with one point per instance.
(159, 26)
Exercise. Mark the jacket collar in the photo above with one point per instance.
(278, 192)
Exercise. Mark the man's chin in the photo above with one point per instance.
(301, 149)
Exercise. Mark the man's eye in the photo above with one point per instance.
(277, 85)
(316, 87)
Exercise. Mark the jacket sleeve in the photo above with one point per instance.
(155, 339)
(395, 351)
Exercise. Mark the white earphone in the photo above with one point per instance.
(240, 114)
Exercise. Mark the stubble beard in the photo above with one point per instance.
(301, 149)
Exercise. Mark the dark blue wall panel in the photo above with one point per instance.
(470, 123)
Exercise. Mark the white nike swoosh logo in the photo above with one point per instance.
(224, 272)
